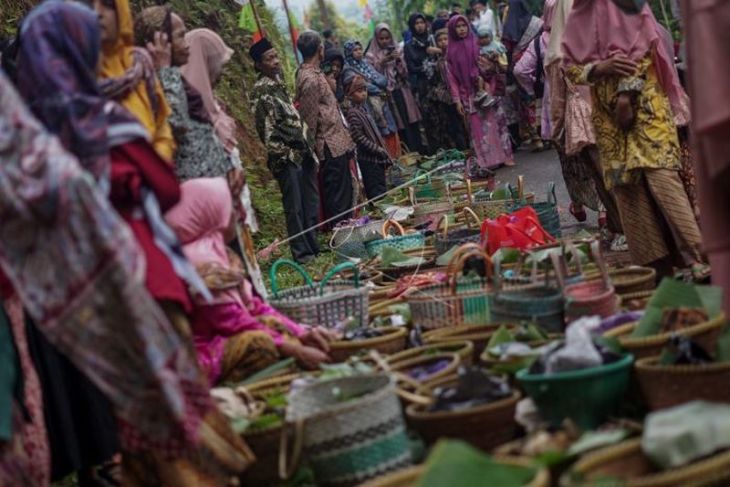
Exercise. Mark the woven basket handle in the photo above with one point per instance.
(469, 195)
(551, 197)
(292, 264)
(336, 270)
(520, 187)
(459, 266)
(570, 248)
(459, 252)
(286, 470)
(598, 259)
(420, 174)
(392, 223)
(338, 230)
(421, 395)
(469, 213)
(558, 266)
(445, 220)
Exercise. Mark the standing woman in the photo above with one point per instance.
(129, 75)
(383, 54)
(487, 126)
(378, 95)
(571, 130)
(637, 104)
(418, 53)
(521, 29)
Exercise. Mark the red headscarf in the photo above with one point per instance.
(597, 30)
(463, 54)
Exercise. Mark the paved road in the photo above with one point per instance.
(539, 169)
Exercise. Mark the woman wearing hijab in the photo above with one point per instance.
(575, 140)
(418, 53)
(384, 56)
(129, 75)
(637, 104)
(487, 127)
(448, 126)
(94, 264)
(377, 85)
(521, 30)
(236, 333)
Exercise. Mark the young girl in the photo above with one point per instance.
(372, 156)
(237, 333)
(489, 137)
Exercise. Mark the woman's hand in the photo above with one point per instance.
(308, 357)
(625, 113)
(460, 108)
(433, 50)
(319, 338)
(618, 65)
(161, 50)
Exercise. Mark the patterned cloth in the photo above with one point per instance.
(199, 152)
(279, 125)
(32, 428)
(657, 219)
(651, 144)
(320, 111)
(80, 275)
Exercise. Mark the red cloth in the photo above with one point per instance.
(135, 164)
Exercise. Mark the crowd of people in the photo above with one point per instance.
(125, 253)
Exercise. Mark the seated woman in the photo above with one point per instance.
(237, 333)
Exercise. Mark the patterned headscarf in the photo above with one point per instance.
(361, 66)
(80, 274)
(58, 57)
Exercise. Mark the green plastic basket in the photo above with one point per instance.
(589, 396)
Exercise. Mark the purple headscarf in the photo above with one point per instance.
(462, 55)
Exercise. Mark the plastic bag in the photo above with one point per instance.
(579, 351)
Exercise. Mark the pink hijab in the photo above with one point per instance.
(208, 55)
(200, 218)
(598, 29)
(462, 56)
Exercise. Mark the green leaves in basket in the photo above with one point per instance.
(530, 332)
(457, 464)
(263, 422)
(502, 335)
(444, 259)
(392, 257)
(506, 255)
(502, 193)
(592, 440)
(672, 294)
(268, 372)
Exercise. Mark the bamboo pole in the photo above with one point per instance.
(256, 17)
(291, 30)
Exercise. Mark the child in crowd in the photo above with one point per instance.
(372, 155)
(493, 58)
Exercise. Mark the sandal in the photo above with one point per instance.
(581, 215)
(700, 272)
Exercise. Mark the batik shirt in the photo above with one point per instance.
(279, 125)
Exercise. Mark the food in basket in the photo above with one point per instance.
(362, 334)
(475, 386)
(677, 318)
(423, 373)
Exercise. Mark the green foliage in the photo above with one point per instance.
(345, 29)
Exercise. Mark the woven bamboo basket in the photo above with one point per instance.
(458, 301)
(326, 304)
(705, 334)
(485, 427)
(401, 242)
(444, 241)
(629, 280)
(627, 463)
(409, 477)
(464, 349)
(393, 341)
(479, 335)
(665, 386)
(492, 209)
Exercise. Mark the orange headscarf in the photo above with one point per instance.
(115, 62)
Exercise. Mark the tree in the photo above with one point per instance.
(343, 28)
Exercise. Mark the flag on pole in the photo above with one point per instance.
(247, 21)
(368, 15)
(293, 28)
